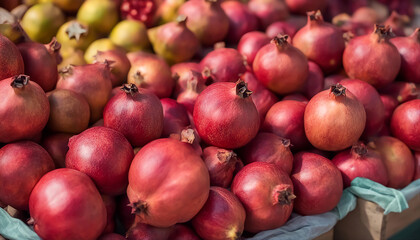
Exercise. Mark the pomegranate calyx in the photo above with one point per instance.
(66, 71)
(187, 135)
(130, 88)
(53, 46)
(283, 194)
(242, 89)
(360, 149)
(20, 81)
(338, 90)
(175, 77)
(139, 207)
(416, 35)
(138, 76)
(280, 41)
(382, 32)
(286, 142)
(226, 156)
(206, 73)
(181, 19)
(76, 30)
(31, 221)
(219, 45)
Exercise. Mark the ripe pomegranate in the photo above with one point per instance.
(93, 81)
(182, 232)
(24, 109)
(221, 164)
(372, 58)
(280, 78)
(140, 10)
(147, 232)
(118, 62)
(317, 182)
(268, 147)
(266, 193)
(222, 217)
(401, 91)
(268, 11)
(110, 206)
(57, 146)
(183, 72)
(241, 20)
(123, 212)
(175, 117)
(334, 119)
(225, 115)
(22, 164)
(76, 35)
(417, 166)
(397, 22)
(65, 204)
(405, 123)
(315, 82)
(189, 135)
(101, 148)
(10, 59)
(361, 161)
(250, 43)
(333, 80)
(283, 28)
(390, 104)
(296, 97)
(206, 19)
(153, 196)
(398, 160)
(189, 96)
(136, 113)
(303, 6)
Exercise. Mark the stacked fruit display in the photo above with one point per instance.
(201, 119)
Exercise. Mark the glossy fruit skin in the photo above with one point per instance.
(147, 232)
(100, 15)
(163, 162)
(315, 81)
(372, 58)
(303, 6)
(417, 166)
(182, 232)
(118, 62)
(317, 182)
(57, 146)
(268, 11)
(266, 193)
(405, 123)
(278, 77)
(398, 159)
(360, 161)
(221, 164)
(401, 91)
(104, 155)
(175, 117)
(390, 103)
(281, 27)
(250, 43)
(101, 44)
(138, 115)
(11, 60)
(241, 20)
(334, 121)
(184, 72)
(223, 130)
(24, 110)
(110, 206)
(268, 147)
(285, 119)
(70, 194)
(222, 217)
(22, 164)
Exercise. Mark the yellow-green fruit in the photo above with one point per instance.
(66, 5)
(76, 35)
(130, 35)
(103, 44)
(11, 31)
(42, 21)
(71, 56)
(168, 11)
(99, 15)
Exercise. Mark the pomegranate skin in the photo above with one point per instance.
(303, 6)
(266, 193)
(111, 236)
(136, 113)
(321, 42)
(110, 206)
(147, 232)
(372, 58)
(182, 232)
(241, 20)
(285, 119)
(268, 147)
(273, 66)
(409, 49)
(221, 164)
(315, 82)
(361, 161)
(11, 60)
(65, 204)
(119, 64)
(39, 64)
(183, 72)
(390, 103)
(281, 27)
(175, 117)
(57, 146)
(398, 160)
(222, 217)
(22, 165)
(250, 43)
(417, 166)
(268, 11)
(401, 91)
(104, 155)
(223, 130)
(405, 123)
(24, 110)
(334, 119)
(317, 182)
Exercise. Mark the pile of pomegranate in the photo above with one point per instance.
(201, 119)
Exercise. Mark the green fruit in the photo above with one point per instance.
(168, 11)
(66, 5)
(130, 35)
(103, 44)
(76, 35)
(42, 21)
(100, 15)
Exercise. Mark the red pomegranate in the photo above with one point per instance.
(175, 117)
(417, 166)
(268, 11)
(303, 6)
(221, 164)
(250, 43)
(241, 20)
(405, 123)
(183, 72)
(11, 61)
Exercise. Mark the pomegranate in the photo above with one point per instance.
(111, 236)
(409, 49)
(93, 81)
(151, 72)
(182, 232)
(296, 97)
(303, 6)
(369, 97)
(266, 193)
(222, 217)
(146, 232)
(361, 161)
(189, 96)
(241, 20)
(206, 19)
(140, 10)
(268, 11)
(56, 146)
(390, 104)
(283, 28)
(250, 43)
(317, 182)
(53, 49)
(334, 119)
(225, 115)
(24, 109)
(333, 80)
(398, 160)
(123, 212)
(10, 59)
(221, 164)
(136, 113)
(110, 206)
(401, 91)
(366, 15)
(153, 196)
(268, 147)
(285, 119)
(405, 123)
(189, 135)
(397, 22)
(101, 148)
(102, 44)
(23, 164)
(174, 41)
(315, 82)
(76, 35)
(101, 16)
(417, 166)
(131, 35)
(280, 78)
(183, 72)
(65, 204)
(175, 117)
(372, 58)
(321, 42)
(118, 62)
